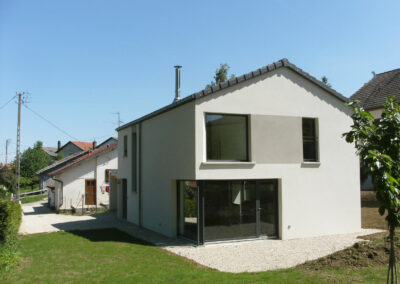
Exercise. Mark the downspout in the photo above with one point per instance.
(140, 173)
(61, 194)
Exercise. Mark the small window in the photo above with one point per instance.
(125, 146)
(107, 176)
(310, 140)
(227, 138)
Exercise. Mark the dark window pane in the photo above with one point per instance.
(125, 146)
(310, 141)
(188, 209)
(229, 210)
(226, 137)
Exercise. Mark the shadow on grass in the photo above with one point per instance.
(108, 235)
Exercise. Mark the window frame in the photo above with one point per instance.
(125, 146)
(107, 175)
(246, 116)
(314, 138)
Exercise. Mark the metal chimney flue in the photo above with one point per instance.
(177, 83)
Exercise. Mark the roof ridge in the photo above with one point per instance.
(397, 69)
(284, 62)
(90, 153)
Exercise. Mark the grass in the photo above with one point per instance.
(33, 198)
(108, 255)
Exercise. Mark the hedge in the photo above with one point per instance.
(10, 220)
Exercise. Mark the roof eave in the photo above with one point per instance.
(237, 80)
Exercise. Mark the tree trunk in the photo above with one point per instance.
(392, 270)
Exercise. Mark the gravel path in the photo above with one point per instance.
(37, 218)
(262, 255)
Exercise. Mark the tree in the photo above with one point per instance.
(221, 75)
(324, 80)
(378, 145)
(32, 160)
(8, 178)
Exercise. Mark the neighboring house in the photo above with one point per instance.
(45, 180)
(84, 182)
(261, 155)
(109, 141)
(372, 97)
(50, 151)
(374, 93)
(73, 147)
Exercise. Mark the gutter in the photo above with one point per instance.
(61, 193)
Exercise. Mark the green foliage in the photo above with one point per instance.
(32, 160)
(59, 156)
(324, 80)
(10, 220)
(378, 144)
(190, 208)
(8, 178)
(221, 75)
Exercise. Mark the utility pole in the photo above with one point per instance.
(7, 141)
(18, 165)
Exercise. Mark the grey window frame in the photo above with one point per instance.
(246, 116)
(313, 138)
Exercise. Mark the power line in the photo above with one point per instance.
(3, 106)
(49, 122)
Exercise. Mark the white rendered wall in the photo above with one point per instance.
(125, 169)
(74, 180)
(168, 150)
(314, 199)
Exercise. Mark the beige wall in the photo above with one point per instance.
(315, 199)
(167, 144)
(276, 139)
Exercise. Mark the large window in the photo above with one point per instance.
(187, 203)
(310, 140)
(227, 137)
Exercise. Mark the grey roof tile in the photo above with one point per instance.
(373, 94)
(281, 63)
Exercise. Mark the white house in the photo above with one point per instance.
(261, 155)
(84, 183)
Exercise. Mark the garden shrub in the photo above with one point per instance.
(10, 220)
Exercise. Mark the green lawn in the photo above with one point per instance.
(110, 256)
(34, 198)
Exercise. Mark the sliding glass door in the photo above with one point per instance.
(227, 209)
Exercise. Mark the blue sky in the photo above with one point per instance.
(81, 61)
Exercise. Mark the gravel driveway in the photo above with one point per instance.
(244, 256)
(37, 218)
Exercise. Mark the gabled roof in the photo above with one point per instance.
(238, 80)
(110, 140)
(81, 145)
(374, 93)
(61, 161)
(51, 151)
(89, 155)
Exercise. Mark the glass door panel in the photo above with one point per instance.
(229, 210)
(267, 194)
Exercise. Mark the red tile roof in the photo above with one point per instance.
(83, 145)
(84, 157)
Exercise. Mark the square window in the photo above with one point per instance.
(227, 137)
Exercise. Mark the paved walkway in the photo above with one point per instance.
(245, 256)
